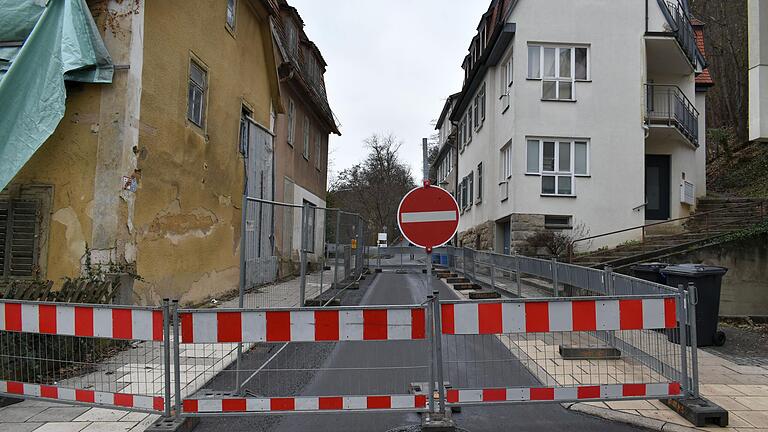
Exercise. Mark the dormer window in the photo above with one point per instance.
(292, 35)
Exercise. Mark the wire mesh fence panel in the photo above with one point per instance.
(310, 359)
(94, 355)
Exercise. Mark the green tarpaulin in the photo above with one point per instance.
(42, 44)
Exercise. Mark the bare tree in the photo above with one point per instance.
(374, 187)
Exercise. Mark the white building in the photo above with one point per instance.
(758, 70)
(578, 113)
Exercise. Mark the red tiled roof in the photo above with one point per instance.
(704, 78)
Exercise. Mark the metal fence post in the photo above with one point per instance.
(517, 276)
(431, 334)
(177, 357)
(167, 355)
(336, 251)
(555, 280)
(303, 255)
(493, 275)
(693, 298)
(608, 271)
(439, 352)
(360, 260)
(683, 318)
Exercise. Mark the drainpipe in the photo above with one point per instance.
(646, 16)
(456, 168)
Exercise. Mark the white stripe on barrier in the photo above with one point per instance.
(607, 314)
(92, 397)
(513, 317)
(351, 325)
(30, 321)
(577, 393)
(65, 320)
(466, 318)
(305, 403)
(653, 313)
(102, 323)
(560, 316)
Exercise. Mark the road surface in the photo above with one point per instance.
(388, 289)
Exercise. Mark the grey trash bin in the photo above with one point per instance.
(708, 280)
(650, 271)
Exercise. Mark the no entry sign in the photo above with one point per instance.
(428, 216)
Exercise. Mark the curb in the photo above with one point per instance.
(630, 419)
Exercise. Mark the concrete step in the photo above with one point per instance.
(455, 280)
(484, 295)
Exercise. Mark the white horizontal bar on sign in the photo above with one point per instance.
(434, 216)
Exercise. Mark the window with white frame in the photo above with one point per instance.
(231, 11)
(558, 67)
(557, 161)
(197, 95)
(471, 187)
(307, 127)
(291, 121)
(469, 124)
(480, 182)
(506, 162)
(318, 150)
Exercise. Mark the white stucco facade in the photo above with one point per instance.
(758, 70)
(607, 111)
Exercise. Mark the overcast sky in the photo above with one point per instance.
(391, 64)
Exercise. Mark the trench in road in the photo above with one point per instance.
(371, 368)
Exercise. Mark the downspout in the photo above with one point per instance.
(456, 168)
(647, 18)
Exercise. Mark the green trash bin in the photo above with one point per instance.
(708, 280)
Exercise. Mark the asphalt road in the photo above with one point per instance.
(388, 368)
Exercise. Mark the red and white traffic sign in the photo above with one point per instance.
(428, 216)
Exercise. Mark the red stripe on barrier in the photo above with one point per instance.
(588, 392)
(326, 325)
(229, 327)
(421, 401)
(187, 333)
(629, 390)
(122, 324)
(282, 404)
(537, 317)
(13, 317)
(278, 327)
(670, 313)
(14, 387)
(631, 314)
(85, 396)
(47, 319)
(158, 404)
(447, 319)
(379, 402)
(374, 324)
(331, 403)
(674, 388)
(418, 322)
(83, 321)
(494, 395)
(542, 394)
(190, 406)
(49, 392)
(124, 400)
(489, 317)
(233, 405)
(584, 315)
(452, 396)
(157, 325)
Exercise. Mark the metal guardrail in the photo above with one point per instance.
(668, 105)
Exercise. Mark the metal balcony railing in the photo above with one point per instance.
(683, 29)
(667, 105)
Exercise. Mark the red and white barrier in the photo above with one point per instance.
(303, 326)
(562, 394)
(541, 317)
(85, 321)
(304, 403)
(95, 397)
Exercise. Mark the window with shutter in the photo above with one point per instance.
(20, 232)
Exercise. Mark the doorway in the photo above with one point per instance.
(657, 168)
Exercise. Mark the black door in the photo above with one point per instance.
(657, 187)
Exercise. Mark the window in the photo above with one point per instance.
(309, 245)
(291, 121)
(318, 150)
(480, 182)
(557, 222)
(477, 111)
(471, 188)
(558, 68)
(19, 228)
(463, 193)
(231, 11)
(482, 104)
(506, 162)
(461, 134)
(469, 125)
(558, 161)
(307, 127)
(245, 125)
(198, 89)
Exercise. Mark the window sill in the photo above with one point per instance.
(558, 100)
(557, 196)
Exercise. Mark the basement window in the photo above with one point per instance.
(557, 222)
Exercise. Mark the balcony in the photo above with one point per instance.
(672, 49)
(667, 107)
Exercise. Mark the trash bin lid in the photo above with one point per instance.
(694, 270)
(651, 266)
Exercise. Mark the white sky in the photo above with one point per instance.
(391, 64)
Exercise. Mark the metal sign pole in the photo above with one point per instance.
(336, 251)
(439, 352)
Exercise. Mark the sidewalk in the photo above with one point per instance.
(199, 363)
(740, 389)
